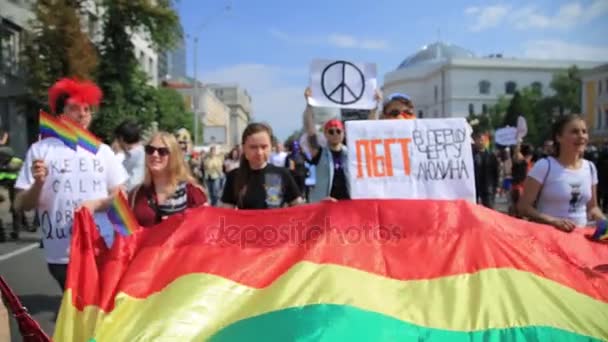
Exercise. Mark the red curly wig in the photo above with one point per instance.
(69, 90)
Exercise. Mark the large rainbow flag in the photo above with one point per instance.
(382, 270)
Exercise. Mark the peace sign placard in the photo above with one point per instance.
(343, 84)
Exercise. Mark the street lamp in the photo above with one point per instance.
(195, 52)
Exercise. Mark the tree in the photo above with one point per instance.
(567, 87)
(126, 88)
(55, 47)
(514, 110)
(171, 113)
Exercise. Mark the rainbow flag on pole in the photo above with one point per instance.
(86, 139)
(52, 127)
(349, 271)
(121, 215)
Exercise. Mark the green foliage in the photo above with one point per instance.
(55, 47)
(126, 87)
(171, 113)
(567, 86)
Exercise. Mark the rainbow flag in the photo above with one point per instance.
(51, 126)
(601, 231)
(86, 139)
(356, 270)
(121, 215)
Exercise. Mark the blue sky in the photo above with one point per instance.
(267, 45)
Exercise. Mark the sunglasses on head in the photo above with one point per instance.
(333, 131)
(162, 151)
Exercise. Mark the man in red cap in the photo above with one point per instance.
(56, 179)
(331, 161)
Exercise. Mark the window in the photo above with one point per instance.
(537, 87)
(484, 87)
(420, 114)
(510, 87)
(10, 47)
(151, 65)
(599, 87)
(436, 94)
(484, 109)
(471, 109)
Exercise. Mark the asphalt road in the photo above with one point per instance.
(22, 265)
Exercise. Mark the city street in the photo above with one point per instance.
(22, 265)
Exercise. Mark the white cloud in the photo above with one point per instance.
(548, 49)
(274, 99)
(471, 10)
(348, 41)
(531, 17)
(338, 40)
(487, 17)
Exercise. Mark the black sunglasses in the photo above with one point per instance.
(332, 131)
(162, 151)
(396, 112)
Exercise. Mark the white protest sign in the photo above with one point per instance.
(415, 159)
(522, 127)
(506, 136)
(343, 84)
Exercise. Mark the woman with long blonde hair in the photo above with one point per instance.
(168, 187)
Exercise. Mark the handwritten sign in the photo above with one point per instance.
(424, 158)
(343, 84)
(506, 136)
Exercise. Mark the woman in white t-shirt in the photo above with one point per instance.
(562, 190)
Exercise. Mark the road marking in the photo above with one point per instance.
(22, 250)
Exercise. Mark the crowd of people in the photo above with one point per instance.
(563, 184)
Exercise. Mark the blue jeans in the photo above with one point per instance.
(213, 187)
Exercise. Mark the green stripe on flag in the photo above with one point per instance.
(326, 322)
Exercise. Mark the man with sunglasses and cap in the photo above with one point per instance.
(331, 160)
(398, 106)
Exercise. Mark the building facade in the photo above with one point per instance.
(15, 16)
(213, 114)
(595, 101)
(450, 81)
(239, 102)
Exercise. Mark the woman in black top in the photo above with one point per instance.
(256, 184)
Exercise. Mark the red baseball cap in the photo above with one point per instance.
(333, 123)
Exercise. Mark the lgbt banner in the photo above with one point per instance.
(363, 270)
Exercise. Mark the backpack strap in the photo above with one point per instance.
(542, 185)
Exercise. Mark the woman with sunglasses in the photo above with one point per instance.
(330, 158)
(257, 184)
(168, 187)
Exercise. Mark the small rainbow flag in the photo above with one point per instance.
(121, 215)
(86, 139)
(601, 233)
(53, 127)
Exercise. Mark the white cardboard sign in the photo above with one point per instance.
(414, 159)
(343, 84)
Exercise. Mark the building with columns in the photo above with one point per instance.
(595, 101)
(451, 81)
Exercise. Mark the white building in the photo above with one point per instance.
(450, 81)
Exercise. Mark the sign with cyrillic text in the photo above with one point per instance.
(415, 159)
